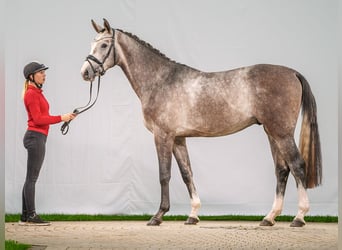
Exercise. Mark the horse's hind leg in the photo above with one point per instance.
(297, 167)
(282, 172)
(181, 154)
(289, 152)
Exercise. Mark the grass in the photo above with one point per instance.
(14, 245)
(146, 217)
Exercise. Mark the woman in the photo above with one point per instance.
(39, 121)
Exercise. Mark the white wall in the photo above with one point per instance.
(107, 163)
(2, 127)
(340, 121)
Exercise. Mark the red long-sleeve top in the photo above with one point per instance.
(37, 108)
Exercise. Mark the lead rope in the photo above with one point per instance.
(80, 110)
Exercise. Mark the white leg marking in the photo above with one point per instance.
(195, 205)
(303, 203)
(277, 207)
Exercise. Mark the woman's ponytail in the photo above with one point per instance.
(26, 83)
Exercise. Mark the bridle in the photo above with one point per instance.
(89, 59)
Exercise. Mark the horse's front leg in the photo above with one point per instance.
(164, 144)
(181, 154)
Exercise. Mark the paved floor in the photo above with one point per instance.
(174, 235)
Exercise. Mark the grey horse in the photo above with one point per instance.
(179, 101)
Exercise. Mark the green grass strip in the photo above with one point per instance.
(14, 245)
(146, 217)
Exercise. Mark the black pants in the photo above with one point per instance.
(34, 142)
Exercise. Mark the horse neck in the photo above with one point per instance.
(143, 67)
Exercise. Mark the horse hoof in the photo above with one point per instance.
(191, 221)
(297, 223)
(266, 223)
(154, 222)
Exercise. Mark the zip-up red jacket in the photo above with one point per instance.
(37, 108)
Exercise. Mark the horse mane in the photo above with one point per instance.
(146, 44)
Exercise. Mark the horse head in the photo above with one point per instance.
(102, 53)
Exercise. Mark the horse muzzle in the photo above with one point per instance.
(87, 74)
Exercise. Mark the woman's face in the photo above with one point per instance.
(39, 77)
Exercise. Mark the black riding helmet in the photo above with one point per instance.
(33, 67)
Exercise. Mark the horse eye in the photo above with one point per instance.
(103, 46)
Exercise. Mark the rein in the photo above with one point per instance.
(90, 59)
(80, 110)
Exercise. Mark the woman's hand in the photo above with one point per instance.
(68, 117)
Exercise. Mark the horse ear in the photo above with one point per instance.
(97, 27)
(107, 25)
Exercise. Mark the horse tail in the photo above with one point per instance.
(309, 142)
